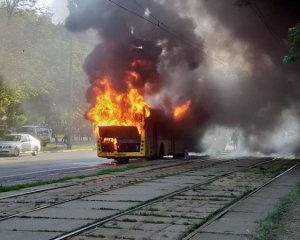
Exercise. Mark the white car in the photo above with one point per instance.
(14, 144)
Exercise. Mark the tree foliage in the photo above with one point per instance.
(34, 69)
(19, 7)
(294, 54)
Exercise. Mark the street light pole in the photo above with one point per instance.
(70, 112)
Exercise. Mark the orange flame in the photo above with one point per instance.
(179, 111)
(118, 109)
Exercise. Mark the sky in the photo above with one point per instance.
(58, 8)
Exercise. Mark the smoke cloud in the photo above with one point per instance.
(257, 87)
(125, 38)
(226, 59)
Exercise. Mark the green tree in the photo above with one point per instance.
(34, 64)
(10, 98)
(294, 54)
(19, 7)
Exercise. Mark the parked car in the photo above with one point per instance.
(42, 133)
(14, 144)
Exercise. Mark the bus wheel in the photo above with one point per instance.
(120, 161)
(161, 150)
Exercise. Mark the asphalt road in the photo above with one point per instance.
(45, 166)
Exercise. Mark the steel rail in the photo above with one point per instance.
(150, 202)
(37, 191)
(78, 198)
(77, 184)
(226, 209)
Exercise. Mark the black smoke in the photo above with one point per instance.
(259, 97)
(251, 89)
(126, 38)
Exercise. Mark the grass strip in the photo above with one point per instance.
(267, 226)
(64, 179)
(62, 147)
(273, 171)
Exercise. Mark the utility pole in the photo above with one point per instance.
(70, 112)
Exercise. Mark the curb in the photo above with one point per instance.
(70, 150)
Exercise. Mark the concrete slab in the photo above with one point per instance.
(84, 238)
(185, 199)
(141, 190)
(156, 220)
(97, 205)
(171, 181)
(103, 232)
(197, 215)
(252, 207)
(187, 221)
(207, 208)
(41, 224)
(262, 200)
(152, 226)
(273, 192)
(134, 234)
(28, 235)
(214, 236)
(231, 227)
(241, 216)
(212, 193)
(159, 220)
(182, 179)
(121, 198)
(285, 181)
(71, 213)
(132, 218)
(120, 225)
(177, 228)
(241, 219)
(165, 235)
(143, 212)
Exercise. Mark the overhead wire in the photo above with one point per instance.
(131, 11)
(261, 17)
(171, 31)
(161, 23)
(165, 28)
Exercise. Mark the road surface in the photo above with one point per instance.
(48, 165)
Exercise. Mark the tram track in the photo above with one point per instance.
(100, 178)
(93, 181)
(183, 177)
(227, 208)
(156, 200)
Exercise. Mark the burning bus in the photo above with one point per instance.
(125, 125)
(152, 138)
(134, 68)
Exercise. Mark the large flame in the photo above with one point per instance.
(179, 111)
(112, 108)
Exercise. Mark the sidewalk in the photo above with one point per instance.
(240, 222)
